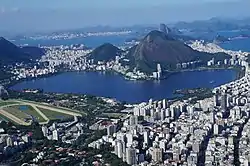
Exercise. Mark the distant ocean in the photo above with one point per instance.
(236, 45)
(95, 41)
(92, 41)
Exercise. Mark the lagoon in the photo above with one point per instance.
(115, 86)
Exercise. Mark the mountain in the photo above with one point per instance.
(157, 47)
(35, 52)
(10, 53)
(214, 24)
(105, 52)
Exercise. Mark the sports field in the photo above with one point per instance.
(24, 112)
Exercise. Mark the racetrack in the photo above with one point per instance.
(5, 111)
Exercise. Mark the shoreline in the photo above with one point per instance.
(239, 72)
(167, 75)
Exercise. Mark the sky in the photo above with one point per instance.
(49, 15)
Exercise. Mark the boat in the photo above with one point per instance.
(211, 82)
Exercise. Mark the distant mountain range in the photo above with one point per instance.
(214, 24)
(10, 53)
(156, 47)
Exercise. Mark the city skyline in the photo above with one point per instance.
(35, 16)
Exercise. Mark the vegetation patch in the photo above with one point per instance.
(25, 113)
(5, 103)
(54, 115)
(112, 115)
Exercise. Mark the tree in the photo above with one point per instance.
(37, 131)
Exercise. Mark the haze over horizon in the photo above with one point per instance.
(45, 15)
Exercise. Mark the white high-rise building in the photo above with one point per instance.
(133, 120)
(163, 112)
(116, 147)
(111, 129)
(55, 135)
(121, 136)
(159, 68)
(164, 104)
(196, 146)
(9, 141)
(172, 111)
(45, 131)
(163, 145)
(146, 137)
(54, 126)
(131, 156)
(150, 102)
(129, 139)
(216, 129)
(26, 138)
(167, 112)
(120, 149)
(157, 155)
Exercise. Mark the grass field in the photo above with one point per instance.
(52, 106)
(5, 103)
(24, 112)
(18, 113)
(52, 115)
(3, 118)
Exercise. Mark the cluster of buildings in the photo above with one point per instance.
(211, 131)
(69, 35)
(228, 62)
(11, 144)
(76, 60)
(158, 73)
(64, 57)
(54, 155)
(202, 46)
(67, 132)
(23, 72)
(187, 65)
(244, 144)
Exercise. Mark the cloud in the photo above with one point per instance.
(2, 10)
(9, 10)
(15, 9)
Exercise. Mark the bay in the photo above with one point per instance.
(115, 86)
(90, 41)
(238, 44)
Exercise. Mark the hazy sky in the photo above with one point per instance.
(44, 15)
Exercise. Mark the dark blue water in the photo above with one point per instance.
(23, 108)
(115, 86)
(236, 45)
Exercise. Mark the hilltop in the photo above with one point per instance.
(158, 47)
(10, 53)
(105, 52)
